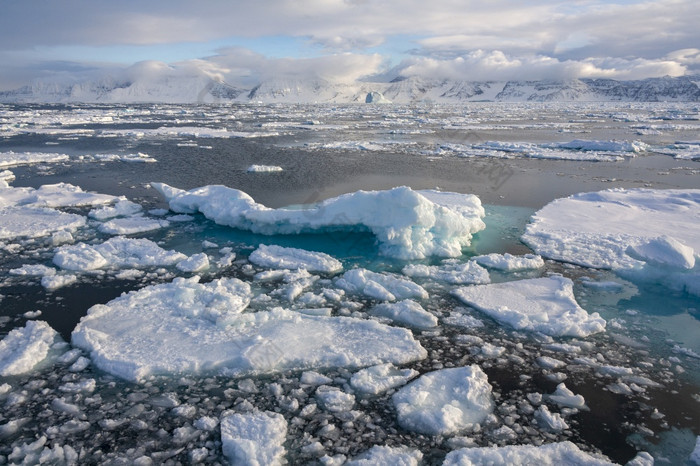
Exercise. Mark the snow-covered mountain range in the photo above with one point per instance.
(203, 89)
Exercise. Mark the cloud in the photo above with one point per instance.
(497, 66)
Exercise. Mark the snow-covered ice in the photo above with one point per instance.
(509, 262)
(545, 305)
(395, 456)
(334, 400)
(254, 439)
(195, 263)
(380, 378)
(202, 329)
(12, 159)
(24, 348)
(278, 257)
(115, 253)
(132, 225)
(381, 286)
(122, 208)
(32, 222)
(406, 312)
(565, 397)
(264, 169)
(446, 401)
(451, 271)
(552, 454)
(408, 224)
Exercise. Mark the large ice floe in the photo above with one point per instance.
(25, 348)
(551, 454)
(446, 401)
(645, 234)
(408, 224)
(254, 439)
(545, 305)
(197, 328)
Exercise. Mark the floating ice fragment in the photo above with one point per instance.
(545, 305)
(123, 208)
(132, 225)
(552, 454)
(550, 421)
(452, 271)
(397, 456)
(378, 379)
(445, 401)
(407, 312)
(195, 263)
(32, 222)
(408, 224)
(333, 399)
(254, 439)
(565, 397)
(278, 257)
(264, 169)
(25, 348)
(381, 286)
(510, 263)
(54, 282)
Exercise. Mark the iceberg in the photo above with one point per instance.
(254, 439)
(24, 348)
(545, 305)
(444, 402)
(408, 224)
(188, 327)
(278, 257)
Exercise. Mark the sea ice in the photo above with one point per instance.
(381, 286)
(552, 454)
(117, 252)
(550, 421)
(565, 397)
(32, 222)
(596, 229)
(334, 400)
(54, 282)
(445, 401)
(510, 263)
(53, 195)
(451, 271)
(695, 455)
(200, 328)
(395, 456)
(407, 224)
(195, 263)
(407, 312)
(380, 378)
(123, 208)
(24, 348)
(12, 159)
(278, 257)
(254, 439)
(545, 305)
(132, 225)
(264, 169)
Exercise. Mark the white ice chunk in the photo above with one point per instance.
(381, 286)
(278, 257)
(200, 329)
(395, 456)
(53, 195)
(33, 270)
(24, 348)
(132, 225)
(123, 208)
(13, 159)
(380, 378)
(314, 378)
(31, 222)
(550, 421)
(552, 454)
(334, 400)
(565, 397)
(510, 263)
(264, 169)
(408, 224)
(445, 401)
(195, 263)
(452, 271)
(117, 252)
(54, 282)
(545, 305)
(407, 312)
(254, 439)
(596, 229)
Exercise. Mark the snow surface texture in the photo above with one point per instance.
(117, 252)
(444, 402)
(643, 234)
(381, 286)
(24, 348)
(200, 328)
(552, 454)
(545, 305)
(278, 257)
(254, 439)
(407, 224)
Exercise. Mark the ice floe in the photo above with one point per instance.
(380, 378)
(451, 271)
(566, 398)
(397, 456)
(551, 454)
(407, 224)
(254, 439)
(53, 195)
(380, 286)
(407, 312)
(201, 329)
(12, 159)
(132, 225)
(25, 348)
(115, 253)
(509, 262)
(545, 305)
(278, 257)
(264, 169)
(446, 401)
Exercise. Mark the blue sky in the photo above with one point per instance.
(350, 39)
